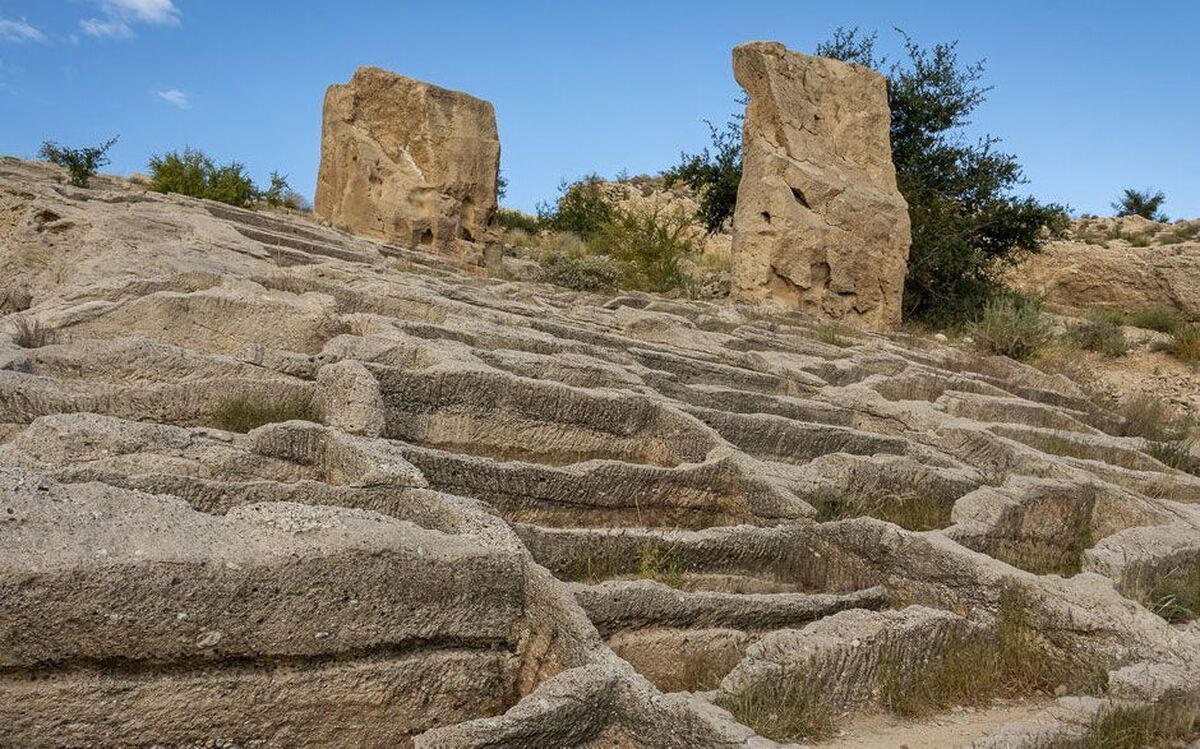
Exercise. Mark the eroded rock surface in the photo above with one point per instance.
(498, 514)
(406, 161)
(820, 225)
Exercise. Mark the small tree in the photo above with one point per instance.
(81, 163)
(1142, 203)
(967, 225)
(713, 173)
(584, 207)
(278, 190)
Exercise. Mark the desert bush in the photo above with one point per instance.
(968, 226)
(1162, 319)
(1099, 332)
(1144, 203)
(648, 245)
(1177, 454)
(1011, 325)
(242, 414)
(714, 174)
(194, 174)
(579, 272)
(1185, 344)
(1153, 418)
(31, 333)
(293, 200)
(81, 163)
(583, 207)
(509, 218)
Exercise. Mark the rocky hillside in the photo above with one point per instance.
(1126, 264)
(266, 484)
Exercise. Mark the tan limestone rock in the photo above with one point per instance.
(820, 225)
(407, 162)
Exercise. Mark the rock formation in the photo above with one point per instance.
(407, 162)
(1127, 264)
(504, 515)
(820, 225)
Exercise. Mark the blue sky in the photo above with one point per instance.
(1092, 96)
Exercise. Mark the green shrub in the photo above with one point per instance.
(1011, 325)
(968, 226)
(579, 272)
(648, 245)
(583, 207)
(714, 175)
(1162, 319)
(1144, 203)
(193, 173)
(81, 163)
(513, 219)
(242, 414)
(1099, 332)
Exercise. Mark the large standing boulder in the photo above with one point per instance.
(820, 225)
(407, 162)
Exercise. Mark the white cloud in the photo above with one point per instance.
(19, 31)
(101, 27)
(176, 97)
(144, 11)
(120, 16)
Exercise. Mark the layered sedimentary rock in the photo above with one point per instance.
(407, 162)
(511, 515)
(820, 225)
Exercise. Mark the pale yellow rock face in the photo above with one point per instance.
(820, 225)
(407, 162)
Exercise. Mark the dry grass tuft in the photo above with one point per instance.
(242, 414)
(31, 333)
(914, 511)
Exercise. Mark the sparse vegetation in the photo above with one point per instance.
(242, 414)
(509, 218)
(595, 245)
(1131, 726)
(1161, 319)
(1175, 594)
(1144, 203)
(32, 333)
(194, 174)
(1185, 344)
(914, 511)
(1176, 454)
(81, 163)
(1011, 325)
(783, 709)
(1099, 332)
(1150, 417)
(579, 272)
(612, 559)
(837, 334)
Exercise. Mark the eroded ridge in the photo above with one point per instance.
(267, 484)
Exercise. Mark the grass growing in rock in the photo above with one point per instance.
(242, 414)
(1175, 594)
(836, 334)
(1165, 723)
(31, 333)
(612, 559)
(912, 511)
(1008, 661)
(783, 710)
